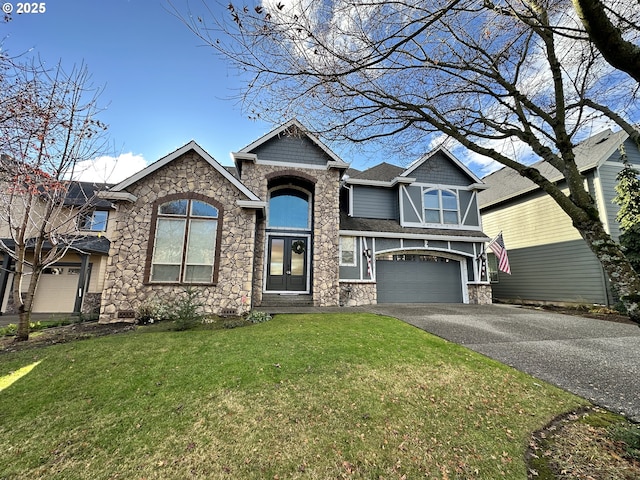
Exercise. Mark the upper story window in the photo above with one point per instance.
(95, 221)
(185, 242)
(441, 206)
(289, 208)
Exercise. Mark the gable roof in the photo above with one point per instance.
(339, 163)
(192, 145)
(83, 193)
(506, 183)
(425, 158)
(384, 172)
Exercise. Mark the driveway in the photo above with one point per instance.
(595, 359)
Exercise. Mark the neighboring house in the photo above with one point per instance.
(74, 284)
(286, 226)
(550, 262)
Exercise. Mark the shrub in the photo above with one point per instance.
(235, 322)
(187, 310)
(152, 311)
(258, 317)
(9, 331)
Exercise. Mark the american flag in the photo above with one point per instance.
(497, 246)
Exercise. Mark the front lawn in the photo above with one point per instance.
(301, 396)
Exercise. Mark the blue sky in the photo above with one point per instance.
(162, 88)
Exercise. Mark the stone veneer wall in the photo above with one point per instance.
(326, 223)
(353, 294)
(125, 289)
(479, 294)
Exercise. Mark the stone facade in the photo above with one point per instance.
(325, 184)
(353, 294)
(479, 293)
(125, 287)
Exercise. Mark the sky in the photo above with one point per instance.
(162, 86)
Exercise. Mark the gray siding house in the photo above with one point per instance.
(412, 235)
(550, 262)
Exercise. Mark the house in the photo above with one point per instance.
(292, 224)
(75, 283)
(550, 262)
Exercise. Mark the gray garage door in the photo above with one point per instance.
(418, 279)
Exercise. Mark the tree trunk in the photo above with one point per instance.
(24, 323)
(624, 279)
(24, 302)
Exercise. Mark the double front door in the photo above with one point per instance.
(287, 268)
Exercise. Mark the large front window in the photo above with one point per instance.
(289, 208)
(440, 206)
(185, 242)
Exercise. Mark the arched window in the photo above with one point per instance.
(185, 242)
(441, 206)
(289, 208)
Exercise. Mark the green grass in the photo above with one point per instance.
(301, 396)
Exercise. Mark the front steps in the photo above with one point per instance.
(276, 300)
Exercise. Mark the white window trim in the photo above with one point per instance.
(441, 209)
(354, 263)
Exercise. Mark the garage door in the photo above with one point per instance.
(418, 279)
(57, 290)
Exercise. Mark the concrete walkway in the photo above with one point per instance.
(595, 359)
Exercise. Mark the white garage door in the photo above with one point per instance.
(418, 279)
(57, 290)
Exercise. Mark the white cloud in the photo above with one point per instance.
(107, 169)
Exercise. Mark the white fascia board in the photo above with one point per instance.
(337, 164)
(192, 145)
(478, 186)
(244, 157)
(252, 204)
(369, 183)
(403, 180)
(379, 183)
(413, 236)
(118, 196)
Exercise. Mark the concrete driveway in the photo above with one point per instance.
(595, 359)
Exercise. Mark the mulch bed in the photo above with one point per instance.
(608, 315)
(67, 333)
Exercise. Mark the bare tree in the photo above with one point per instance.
(512, 80)
(47, 126)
